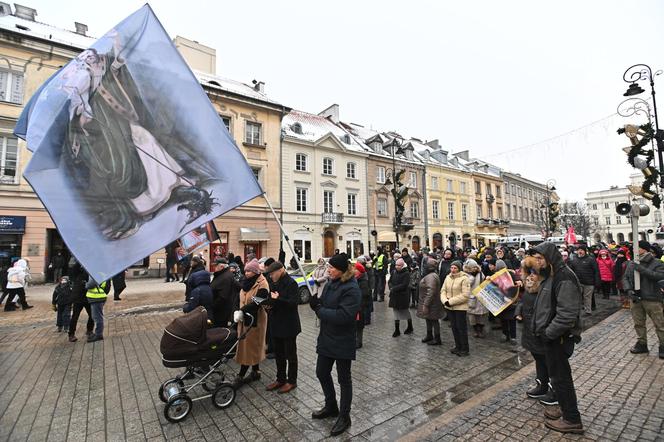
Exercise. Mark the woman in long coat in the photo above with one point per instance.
(477, 313)
(454, 296)
(429, 306)
(251, 349)
(400, 297)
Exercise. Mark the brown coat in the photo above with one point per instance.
(251, 350)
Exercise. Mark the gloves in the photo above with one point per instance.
(238, 316)
(314, 303)
(55, 307)
(447, 304)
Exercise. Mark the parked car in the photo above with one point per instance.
(302, 290)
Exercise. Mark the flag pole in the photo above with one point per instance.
(295, 255)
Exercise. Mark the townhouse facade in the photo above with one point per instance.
(525, 204)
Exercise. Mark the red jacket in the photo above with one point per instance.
(605, 269)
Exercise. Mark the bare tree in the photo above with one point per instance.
(575, 214)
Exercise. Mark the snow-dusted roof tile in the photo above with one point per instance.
(45, 32)
(315, 127)
(226, 84)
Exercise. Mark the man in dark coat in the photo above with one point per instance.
(284, 321)
(79, 278)
(198, 287)
(445, 264)
(223, 286)
(557, 323)
(119, 284)
(648, 300)
(337, 308)
(585, 268)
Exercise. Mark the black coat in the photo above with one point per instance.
(586, 270)
(200, 293)
(651, 270)
(224, 291)
(526, 309)
(79, 278)
(62, 295)
(444, 268)
(339, 304)
(399, 289)
(284, 319)
(363, 283)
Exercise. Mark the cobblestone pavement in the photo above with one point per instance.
(621, 396)
(54, 390)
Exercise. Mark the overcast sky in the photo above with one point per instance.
(489, 76)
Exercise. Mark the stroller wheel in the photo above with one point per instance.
(224, 395)
(212, 381)
(177, 408)
(167, 385)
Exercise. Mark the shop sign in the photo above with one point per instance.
(12, 224)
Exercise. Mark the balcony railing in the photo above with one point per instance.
(492, 222)
(407, 222)
(332, 218)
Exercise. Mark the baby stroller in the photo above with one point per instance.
(189, 342)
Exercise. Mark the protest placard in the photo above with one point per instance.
(497, 292)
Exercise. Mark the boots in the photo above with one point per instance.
(341, 425)
(397, 332)
(435, 341)
(639, 347)
(427, 338)
(539, 391)
(409, 329)
(480, 331)
(329, 410)
(358, 338)
(661, 351)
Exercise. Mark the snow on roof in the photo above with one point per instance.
(45, 31)
(314, 127)
(226, 84)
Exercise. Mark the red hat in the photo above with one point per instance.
(360, 268)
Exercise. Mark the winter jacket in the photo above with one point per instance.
(16, 275)
(399, 289)
(605, 266)
(225, 290)
(650, 270)
(78, 278)
(456, 291)
(526, 309)
(557, 311)
(62, 295)
(284, 317)
(320, 279)
(475, 307)
(585, 270)
(429, 305)
(619, 272)
(251, 349)
(444, 268)
(200, 293)
(339, 305)
(363, 283)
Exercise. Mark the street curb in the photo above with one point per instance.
(426, 429)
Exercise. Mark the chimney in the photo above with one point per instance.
(81, 29)
(332, 113)
(464, 155)
(259, 86)
(24, 12)
(434, 144)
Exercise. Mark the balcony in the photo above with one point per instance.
(332, 218)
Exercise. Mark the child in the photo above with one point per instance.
(62, 300)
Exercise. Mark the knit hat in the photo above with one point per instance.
(471, 264)
(221, 261)
(500, 264)
(400, 263)
(268, 262)
(361, 259)
(645, 245)
(360, 268)
(274, 266)
(253, 266)
(339, 262)
(582, 247)
(458, 264)
(396, 256)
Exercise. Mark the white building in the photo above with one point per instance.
(324, 187)
(611, 226)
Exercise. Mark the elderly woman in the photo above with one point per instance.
(251, 349)
(320, 277)
(477, 313)
(400, 297)
(454, 296)
(429, 306)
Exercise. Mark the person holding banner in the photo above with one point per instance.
(454, 296)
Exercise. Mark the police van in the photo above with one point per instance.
(520, 241)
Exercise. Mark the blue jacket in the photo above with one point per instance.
(340, 303)
(200, 293)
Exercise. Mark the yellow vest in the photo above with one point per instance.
(97, 292)
(379, 262)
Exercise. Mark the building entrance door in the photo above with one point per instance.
(328, 244)
(252, 248)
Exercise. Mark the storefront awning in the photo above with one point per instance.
(248, 234)
(386, 236)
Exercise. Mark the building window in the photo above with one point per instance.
(527, 217)
(509, 211)
(8, 159)
(415, 209)
(301, 162)
(434, 182)
(512, 189)
(530, 194)
(301, 199)
(478, 188)
(450, 211)
(464, 212)
(500, 212)
(381, 206)
(227, 122)
(498, 192)
(514, 210)
(303, 245)
(521, 213)
(488, 188)
(352, 204)
(11, 87)
(380, 175)
(606, 205)
(507, 188)
(594, 206)
(618, 220)
(435, 209)
(252, 133)
(450, 186)
(413, 180)
(532, 216)
(327, 166)
(328, 201)
(350, 170)
(490, 211)
(479, 211)
(608, 220)
(462, 187)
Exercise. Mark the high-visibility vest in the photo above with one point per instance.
(379, 262)
(97, 292)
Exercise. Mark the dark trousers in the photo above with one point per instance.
(324, 375)
(285, 352)
(76, 311)
(433, 328)
(509, 328)
(380, 287)
(63, 317)
(557, 362)
(21, 296)
(459, 328)
(540, 367)
(606, 289)
(268, 336)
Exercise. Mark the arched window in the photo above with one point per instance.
(621, 237)
(301, 162)
(437, 240)
(415, 243)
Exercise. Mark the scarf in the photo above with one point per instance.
(248, 283)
